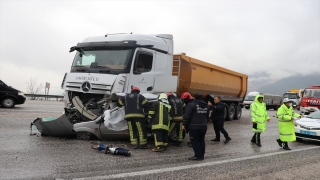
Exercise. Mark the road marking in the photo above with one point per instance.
(155, 171)
(33, 111)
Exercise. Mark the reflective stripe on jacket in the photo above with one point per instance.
(159, 113)
(259, 114)
(286, 125)
(134, 104)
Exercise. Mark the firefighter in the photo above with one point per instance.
(177, 116)
(286, 115)
(134, 103)
(186, 99)
(259, 117)
(159, 113)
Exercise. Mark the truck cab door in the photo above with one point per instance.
(142, 71)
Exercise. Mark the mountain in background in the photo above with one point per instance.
(283, 85)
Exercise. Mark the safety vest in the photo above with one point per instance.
(286, 125)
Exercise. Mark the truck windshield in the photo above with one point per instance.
(110, 59)
(249, 98)
(290, 95)
(312, 93)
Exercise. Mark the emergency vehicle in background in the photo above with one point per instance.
(310, 100)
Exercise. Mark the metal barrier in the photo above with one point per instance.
(45, 96)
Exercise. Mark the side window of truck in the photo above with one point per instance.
(143, 63)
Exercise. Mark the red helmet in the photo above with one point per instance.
(186, 95)
(135, 88)
(169, 94)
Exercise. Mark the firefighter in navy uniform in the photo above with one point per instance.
(177, 116)
(159, 113)
(134, 103)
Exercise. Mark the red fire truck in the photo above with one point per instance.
(310, 100)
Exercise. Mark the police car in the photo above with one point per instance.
(308, 127)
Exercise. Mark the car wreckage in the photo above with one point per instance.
(97, 118)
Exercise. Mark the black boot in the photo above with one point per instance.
(285, 146)
(215, 139)
(279, 142)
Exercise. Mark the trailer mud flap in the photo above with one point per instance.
(54, 127)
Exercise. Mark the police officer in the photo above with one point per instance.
(286, 115)
(134, 114)
(217, 116)
(259, 116)
(195, 121)
(177, 116)
(159, 113)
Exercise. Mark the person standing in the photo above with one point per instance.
(286, 115)
(134, 103)
(217, 116)
(259, 116)
(177, 117)
(195, 120)
(159, 113)
(186, 98)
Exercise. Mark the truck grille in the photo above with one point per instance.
(95, 88)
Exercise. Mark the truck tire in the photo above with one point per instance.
(231, 111)
(247, 108)
(225, 112)
(238, 112)
(8, 102)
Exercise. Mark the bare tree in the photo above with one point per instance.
(33, 87)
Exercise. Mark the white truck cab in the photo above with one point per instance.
(114, 63)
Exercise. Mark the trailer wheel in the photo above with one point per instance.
(238, 113)
(231, 112)
(225, 112)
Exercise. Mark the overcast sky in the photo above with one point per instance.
(276, 38)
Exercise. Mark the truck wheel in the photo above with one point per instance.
(84, 135)
(231, 112)
(238, 113)
(247, 107)
(8, 102)
(225, 112)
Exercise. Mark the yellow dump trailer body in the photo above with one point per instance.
(196, 76)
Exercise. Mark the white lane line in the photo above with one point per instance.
(155, 171)
(32, 111)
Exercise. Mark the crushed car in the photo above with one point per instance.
(94, 119)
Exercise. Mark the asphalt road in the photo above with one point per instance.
(35, 157)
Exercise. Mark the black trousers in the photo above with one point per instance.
(256, 138)
(179, 130)
(160, 137)
(137, 130)
(197, 141)
(218, 127)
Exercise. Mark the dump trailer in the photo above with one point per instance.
(196, 76)
(112, 64)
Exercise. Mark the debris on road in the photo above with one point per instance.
(109, 149)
